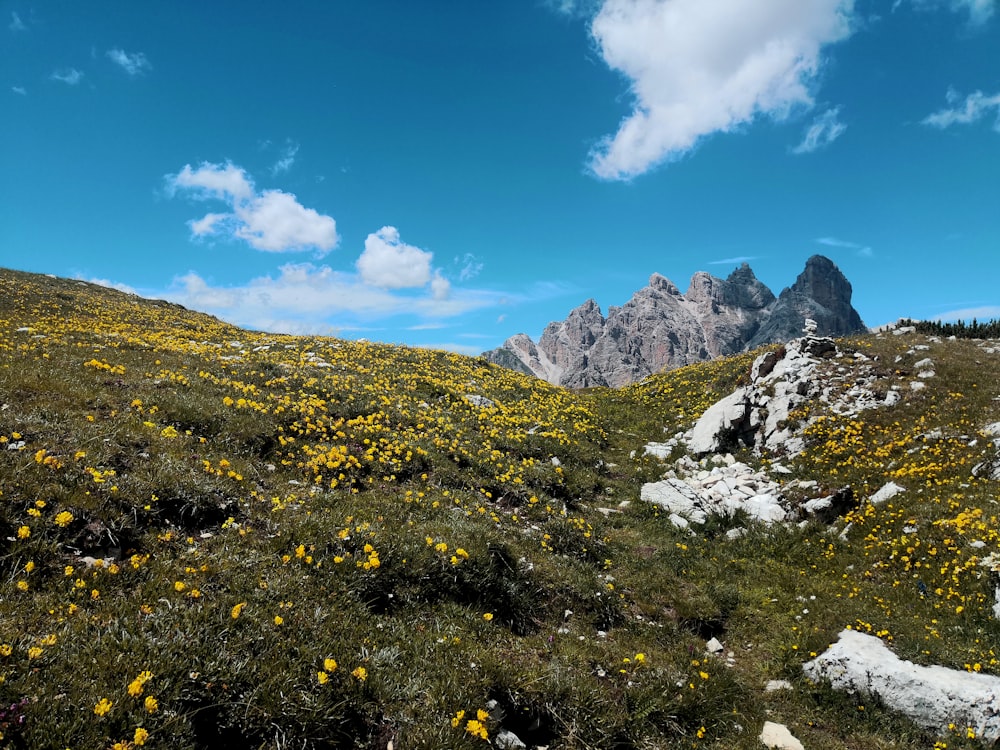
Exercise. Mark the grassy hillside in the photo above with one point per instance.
(216, 538)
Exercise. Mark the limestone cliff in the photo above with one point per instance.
(661, 328)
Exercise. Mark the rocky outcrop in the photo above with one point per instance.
(661, 328)
(934, 697)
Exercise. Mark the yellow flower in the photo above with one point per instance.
(179, 586)
(34, 652)
(151, 704)
(6, 649)
(168, 432)
(68, 571)
(360, 674)
(279, 620)
(30, 566)
(22, 585)
(459, 715)
(140, 736)
(237, 610)
(488, 616)
(23, 532)
(330, 665)
(322, 677)
(63, 519)
(102, 707)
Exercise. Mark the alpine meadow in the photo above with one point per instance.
(219, 538)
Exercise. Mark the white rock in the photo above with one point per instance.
(925, 364)
(775, 685)
(777, 737)
(926, 374)
(916, 385)
(508, 740)
(932, 697)
(992, 429)
(892, 398)
(658, 450)
(481, 401)
(675, 496)
(713, 646)
(887, 492)
(717, 418)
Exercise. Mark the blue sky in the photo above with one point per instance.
(448, 174)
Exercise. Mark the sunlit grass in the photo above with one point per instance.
(213, 537)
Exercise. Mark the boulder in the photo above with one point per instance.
(932, 697)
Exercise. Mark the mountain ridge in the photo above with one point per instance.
(661, 328)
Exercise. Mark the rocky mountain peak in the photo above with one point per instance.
(661, 328)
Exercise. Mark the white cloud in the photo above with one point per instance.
(111, 285)
(16, 24)
(731, 261)
(440, 287)
(980, 11)
(471, 266)
(71, 76)
(19, 90)
(982, 314)
(863, 250)
(698, 67)
(287, 158)
(824, 130)
(272, 220)
(133, 64)
(389, 263)
(304, 298)
(976, 106)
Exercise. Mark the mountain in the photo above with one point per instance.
(660, 328)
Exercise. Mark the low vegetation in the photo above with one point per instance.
(211, 537)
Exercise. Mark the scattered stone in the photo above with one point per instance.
(916, 385)
(508, 740)
(775, 685)
(777, 737)
(887, 492)
(481, 401)
(933, 697)
(713, 646)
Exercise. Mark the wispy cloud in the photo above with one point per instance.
(19, 90)
(863, 250)
(975, 106)
(695, 71)
(824, 130)
(70, 76)
(134, 64)
(731, 261)
(16, 24)
(980, 11)
(469, 266)
(286, 159)
(269, 220)
(983, 313)
(306, 298)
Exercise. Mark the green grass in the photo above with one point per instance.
(261, 504)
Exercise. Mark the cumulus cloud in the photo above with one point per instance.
(698, 67)
(71, 76)
(862, 250)
(20, 90)
(269, 220)
(16, 24)
(134, 64)
(975, 106)
(824, 130)
(390, 263)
